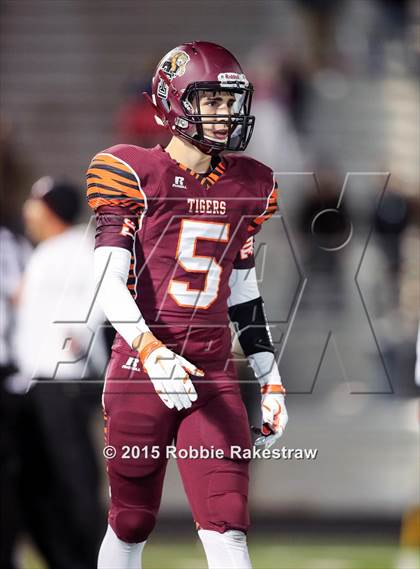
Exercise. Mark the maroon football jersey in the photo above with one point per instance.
(186, 232)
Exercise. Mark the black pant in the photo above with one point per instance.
(59, 479)
(10, 467)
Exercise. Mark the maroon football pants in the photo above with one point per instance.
(141, 433)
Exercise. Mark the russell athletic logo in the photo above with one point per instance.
(179, 183)
(131, 363)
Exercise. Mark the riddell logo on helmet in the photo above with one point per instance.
(226, 79)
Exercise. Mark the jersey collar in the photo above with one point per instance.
(206, 180)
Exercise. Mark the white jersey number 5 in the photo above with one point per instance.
(189, 233)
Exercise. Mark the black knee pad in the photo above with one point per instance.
(133, 525)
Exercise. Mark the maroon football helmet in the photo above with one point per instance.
(187, 72)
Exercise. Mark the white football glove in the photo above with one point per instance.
(274, 415)
(169, 374)
(273, 407)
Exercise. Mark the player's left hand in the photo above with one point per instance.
(274, 415)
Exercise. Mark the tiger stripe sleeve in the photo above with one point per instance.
(270, 209)
(111, 181)
(115, 195)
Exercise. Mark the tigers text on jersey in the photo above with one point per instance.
(186, 232)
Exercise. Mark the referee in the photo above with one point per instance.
(57, 345)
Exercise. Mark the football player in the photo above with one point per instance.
(173, 261)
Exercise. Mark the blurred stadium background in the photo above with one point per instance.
(337, 100)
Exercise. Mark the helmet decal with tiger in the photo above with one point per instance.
(174, 64)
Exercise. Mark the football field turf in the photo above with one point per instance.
(268, 554)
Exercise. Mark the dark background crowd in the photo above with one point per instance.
(337, 111)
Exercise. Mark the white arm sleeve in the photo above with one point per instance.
(265, 368)
(111, 267)
(243, 286)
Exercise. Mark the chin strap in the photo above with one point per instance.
(160, 120)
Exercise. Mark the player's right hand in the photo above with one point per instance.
(170, 375)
